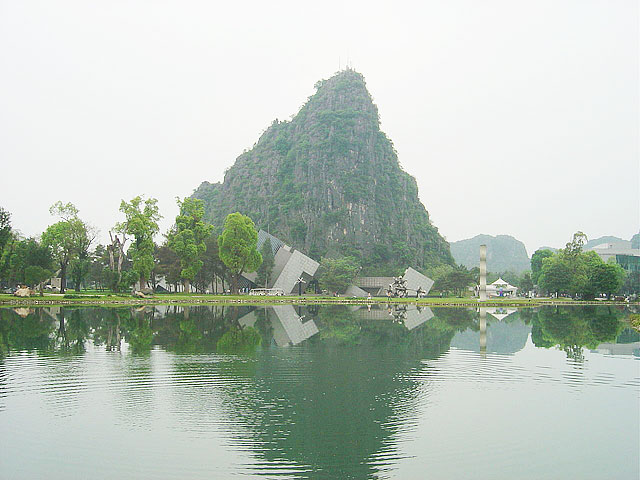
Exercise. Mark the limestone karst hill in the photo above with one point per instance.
(328, 182)
(504, 253)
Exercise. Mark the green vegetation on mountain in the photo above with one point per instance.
(328, 182)
(504, 253)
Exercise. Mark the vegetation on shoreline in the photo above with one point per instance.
(183, 298)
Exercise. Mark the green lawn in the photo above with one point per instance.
(108, 298)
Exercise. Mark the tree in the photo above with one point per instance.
(606, 278)
(168, 265)
(526, 284)
(556, 275)
(5, 228)
(68, 238)
(238, 247)
(336, 274)
(456, 280)
(23, 255)
(264, 271)
(187, 239)
(212, 267)
(574, 247)
(536, 263)
(36, 275)
(141, 222)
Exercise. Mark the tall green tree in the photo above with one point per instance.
(167, 265)
(336, 274)
(536, 263)
(556, 275)
(606, 278)
(264, 271)
(455, 280)
(213, 268)
(187, 238)
(141, 222)
(526, 284)
(238, 247)
(28, 254)
(68, 238)
(5, 228)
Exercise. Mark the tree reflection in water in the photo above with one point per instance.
(333, 402)
(573, 329)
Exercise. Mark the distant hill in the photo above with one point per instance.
(504, 253)
(329, 183)
(635, 241)
(553, 249)
(600, 240)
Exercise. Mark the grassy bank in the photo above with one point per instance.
(103, 299)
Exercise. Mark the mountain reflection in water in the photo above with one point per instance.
(291, 391)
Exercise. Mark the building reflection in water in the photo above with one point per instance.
(411, 316)
(290, 327)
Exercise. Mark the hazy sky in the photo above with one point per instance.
(516, 117)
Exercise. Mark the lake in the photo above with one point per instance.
(290, 392)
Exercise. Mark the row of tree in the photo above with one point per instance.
(571, 271)
(191, 252)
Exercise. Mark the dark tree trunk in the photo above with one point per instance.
(63, 277)
(234, 283)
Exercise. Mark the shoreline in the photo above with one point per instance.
(255, 300)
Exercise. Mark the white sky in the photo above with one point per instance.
(516, 117)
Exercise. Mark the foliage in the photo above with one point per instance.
(239, 340)
(187, 239)
(167, 265)
(264, 271)
(575, 328)
(574, 272)
(329, 184)
(68, 239)
(455, 280)
(238, 246)
(606, 278)
(336, 274)
(536, 264)
(141, 221)
(5, 228)
(22, 254)
(212, 267)
(526, 284)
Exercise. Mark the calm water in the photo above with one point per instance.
(324, 392)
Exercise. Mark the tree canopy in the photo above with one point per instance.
(68, 239)
(141, 221)
(238, 246)
(336, 274)
(187, 239)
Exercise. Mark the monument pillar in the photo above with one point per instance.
(483, 330)
(482, 294)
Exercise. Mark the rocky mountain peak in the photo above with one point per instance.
(328, 182)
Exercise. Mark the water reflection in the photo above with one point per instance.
(303, 392)
(425, 331)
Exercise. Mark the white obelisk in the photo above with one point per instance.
(483, 274)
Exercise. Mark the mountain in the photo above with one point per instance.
(635, 241)
(599, 241)
(504, 253)
(328, 183)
